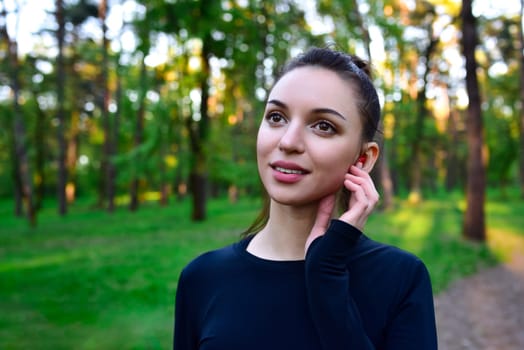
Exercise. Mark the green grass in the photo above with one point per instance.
(93, 280)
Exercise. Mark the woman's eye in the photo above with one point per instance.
(275, 118)
(324, 127)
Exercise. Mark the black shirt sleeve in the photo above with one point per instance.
(334, 311)
(184, 333)
(413, 325)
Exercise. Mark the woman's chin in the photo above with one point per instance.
(294, 201)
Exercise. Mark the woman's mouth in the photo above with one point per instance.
(288, 172)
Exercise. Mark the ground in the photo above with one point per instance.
(484, 311)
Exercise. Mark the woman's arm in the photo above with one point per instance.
(328, 280)
(411, 324)
(332, 307)
(183, 337)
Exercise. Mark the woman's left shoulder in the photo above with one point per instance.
(390, 257)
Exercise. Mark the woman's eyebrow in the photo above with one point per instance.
(330, 111)
(316, 110)
(277, 103)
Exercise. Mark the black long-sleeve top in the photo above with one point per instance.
(349, 293)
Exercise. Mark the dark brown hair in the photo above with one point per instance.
(352, 69)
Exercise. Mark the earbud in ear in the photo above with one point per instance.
(362, 159)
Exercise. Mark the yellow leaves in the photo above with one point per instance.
(87, 70)
(170, 76)
(388, 11)
(440, 107)
(96, 135)
(451, 7)
(232, 119)
(171, 161)
(194, 64)
(389, 125)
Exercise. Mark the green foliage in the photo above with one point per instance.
(246, 43)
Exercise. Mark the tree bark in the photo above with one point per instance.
(521, 37)
(452, 161)
(422, 112)
(139, 135)
(18, 191)
(23, 180)
(40, 157)
(60, 116)
(198, 131)
(474, 219)
(198, 175)
(73, 136)
(108, 167)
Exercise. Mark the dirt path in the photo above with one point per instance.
(484, 311)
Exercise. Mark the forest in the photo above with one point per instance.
(126, 101)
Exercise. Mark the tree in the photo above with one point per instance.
(78, 88)
(474, 218)
(60, 115)
(138, 135)
(229, 32)
(427, 13)
(108, 169)
(22, 171)
(521, 56)
(67, 106)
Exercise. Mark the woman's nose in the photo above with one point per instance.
(292, 140)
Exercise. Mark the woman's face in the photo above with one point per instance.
(309, 137)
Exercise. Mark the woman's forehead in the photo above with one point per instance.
(317, 87)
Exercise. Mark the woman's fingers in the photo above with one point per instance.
(364, 197)
(324, 212)
(365, 184)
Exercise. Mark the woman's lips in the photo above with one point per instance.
(288, 172)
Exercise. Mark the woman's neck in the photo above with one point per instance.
(284, 236)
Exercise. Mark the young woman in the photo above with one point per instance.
(302, 279)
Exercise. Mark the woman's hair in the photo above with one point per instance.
(351, 69)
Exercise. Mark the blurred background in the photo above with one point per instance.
(127, 138)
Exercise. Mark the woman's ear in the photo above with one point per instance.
(369, 156)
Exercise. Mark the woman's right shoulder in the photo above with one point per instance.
(211, 263)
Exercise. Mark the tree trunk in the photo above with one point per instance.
(18, 191)
(198, 131)
(73, 136)
(164, 185)
(109, 181)
(139, 135)
(116, 128)
(386, 182)
(23, 180)
(198, 174)
(422, 112)
(40, 155)
(521, 37)
(24, 171)
(60, 117)
(452, 161)
(474, 220)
